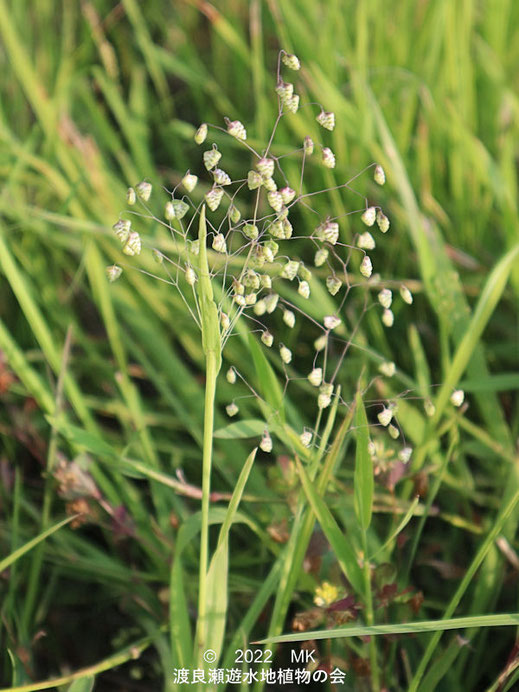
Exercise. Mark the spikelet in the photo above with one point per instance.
(234, 213)
(189, 181)
(291, 61)
(266, 443)
(316, 377)
(382, 221)
(385, 298)
(289, 318)
(306, 438)
(232, 409)
(292, 104)
(275, 200)
(304, 289)
(366, 268)
(285, 353)
(201, 134)
(214, 197)
(250, 231)
(328, 158)
(369, 216)
(406, 295)
(388, 318)
(308, 146)
(320, 257)
(287, 194)
(457, 397)
(113, 272)
(143, 191)
(290, 270)
(211, 157)
(122, 229)
(365, 241)
(267, 339)
(379, 176)
(266, 167)
(236, 129)
(130, 196)
(326, 120)
(254, 180)
(331, 321)
(133, 245)
(230, 375)
(221, 177)
(387, 368)
(284, 90)
(175, 209)
(333, 284)
(219, 244)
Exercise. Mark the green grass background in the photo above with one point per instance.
(96, 95)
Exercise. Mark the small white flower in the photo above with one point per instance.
(250, 298)
(316, 377)
(267, 339)
(304, 289)
(230, 375)
(388, 369)
(254, 180)
(320, 257)
(211, 157)
(260, 308)
(239, 300)
(388, 318)
(113, 273)
(271, 301)
(320, 342)
(225, 321)
(385, 416)
(369, 216)
(266, 167)
(289, 318)
(457, 397)
(328, 158)
(232, 409)
(266, 442)
(266, 281)
(323, 401)
(382, 221)
(333, 284)
(429, 408)
(143, 190)
(326, 120)
(190, 276)
(366, 241)
(286, 354)
(405, 454)
(331, 321)
(236, 129)
(291, 61)
(221, 177)
(214, 197)
(394, 432)
(306, 438)
(189, 181)
(219, 244)
(201, 134)
(308, 146)
(133, 245)
(122, 229)
(290, 270)
(406, 295)
(379, 175)
(366, 268)
(385, 298)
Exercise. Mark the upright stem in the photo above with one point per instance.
(207, 453)
(375, 680)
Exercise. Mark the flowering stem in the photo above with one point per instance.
(207, 453)
(211, 343)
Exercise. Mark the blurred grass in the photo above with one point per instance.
(97, 95)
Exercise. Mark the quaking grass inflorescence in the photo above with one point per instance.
(258, 231)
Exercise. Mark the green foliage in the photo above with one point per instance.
(95, 98)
